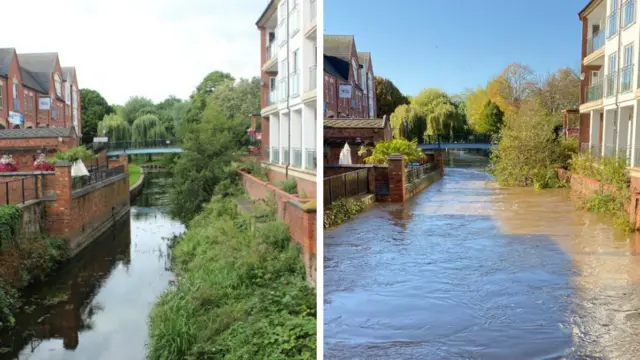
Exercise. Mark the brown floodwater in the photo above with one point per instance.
(469, 270)
(97, 306)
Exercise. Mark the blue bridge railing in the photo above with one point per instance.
(457, 139)
(145, 144)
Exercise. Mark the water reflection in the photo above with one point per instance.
(97, 306)
(475, 271)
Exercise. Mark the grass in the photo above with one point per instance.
(242, 292)
(134, 173)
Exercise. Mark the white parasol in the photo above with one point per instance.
(345, 155)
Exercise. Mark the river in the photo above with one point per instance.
(97, 306)
(469, 270)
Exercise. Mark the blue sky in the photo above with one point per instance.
(455, 45)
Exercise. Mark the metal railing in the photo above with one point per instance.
(594, 92)
(297, 158)
(19, 191)
(95, 165)
(626, 77)
(97, 177)
(285, 156)
(294, 77)
(610, 85)
(345, 185)
(275, 155)
(283, 89)
(144, 144)
(415, 173)
(628, 13)
(294, 20)
(313, 10)
(271, 50)
(457, 139)
(312, 77)
(612, 24)
(595, 42)
(311, 159)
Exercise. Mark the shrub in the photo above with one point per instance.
(74, 154)
(381, 152)
(342, 210)
(290, 186)
(610, 203)
(256, 169)
(10, 216)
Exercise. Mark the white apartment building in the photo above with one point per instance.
(289, 73)
(610, 104)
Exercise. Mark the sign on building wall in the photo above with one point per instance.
(44, 103)
(16, 118)
(101, 139)
(345, 91)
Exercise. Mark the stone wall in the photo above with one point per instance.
(32, 218)
(291, 210)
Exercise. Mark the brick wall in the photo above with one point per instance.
(18, 188)
(306, 187)
(301, 223)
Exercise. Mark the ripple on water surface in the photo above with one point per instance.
(470, 270)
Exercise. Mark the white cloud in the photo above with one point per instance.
(151, 48)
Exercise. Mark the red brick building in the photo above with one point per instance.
(36, 89)
(344, 65)
(25, 144)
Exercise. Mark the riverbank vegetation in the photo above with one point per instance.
(614, 196)
(241, 293)
(134, 173)
(379, 154)
(342, 210)
(23, 260)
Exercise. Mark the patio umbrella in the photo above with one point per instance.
(345, 155)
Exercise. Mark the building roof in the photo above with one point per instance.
(330, 69)
(364, 57)
(355, 123)
(67, 72)
(339, 46)
(37, 133)
(5, 60)
(588, 8)
(39, 66)
(267, 11)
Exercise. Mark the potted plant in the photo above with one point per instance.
(7, 164)
(42, 164)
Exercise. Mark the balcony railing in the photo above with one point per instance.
(271, 50)
(295, 83)
(595, 42)
(311, 159)
(626, 76)
(628, 12)
(313, 10)
(281, 33)
(285, 156)
(594, 92)
(312, 77)
(273, 97)
(283, 89)
(297, 158)
(294, 20)
(610, 85)
(275, 155)
(612, 24)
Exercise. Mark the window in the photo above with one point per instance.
(58, 82)
(354, 65)
(16, 101)
(282, 11)
(1, 98)
(272, 83)
(613, 63)
(296, 63)
(53, 113)
(628, 55)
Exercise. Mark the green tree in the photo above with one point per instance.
(131, 109)
(408, 123)
(381, 152)
(210, 145)
(491, 119)
(94, 107)
(212, 81)
(388, 97)
(148, 127)
(115, 128)
(443, 116)
(239, 99)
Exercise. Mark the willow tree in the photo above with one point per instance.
(408, 123)
(148, 127)
(115, 128)
(443, 115)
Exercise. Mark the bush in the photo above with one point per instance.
(381, 152)
(10, 216)
(256, 169)
(612, 204)
(74, 154)
(242, 292)
(342, 210)
(528, 151)
(290, 186)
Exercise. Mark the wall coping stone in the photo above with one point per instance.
(87, 189)
(63, 164)
(19, 173)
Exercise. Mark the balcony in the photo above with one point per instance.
(294, 77)
(311, 159)
(275, 155)
(311, 26)
(610, 85)
(271, 65)
(297, 158)
(628, 13)
(594, 92)
(273, 97)
(595, 42)
(312, 77)
(283, 89)
(626, 76)
(294, 20)
(612, 24)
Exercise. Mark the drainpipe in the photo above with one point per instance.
(286, 169)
